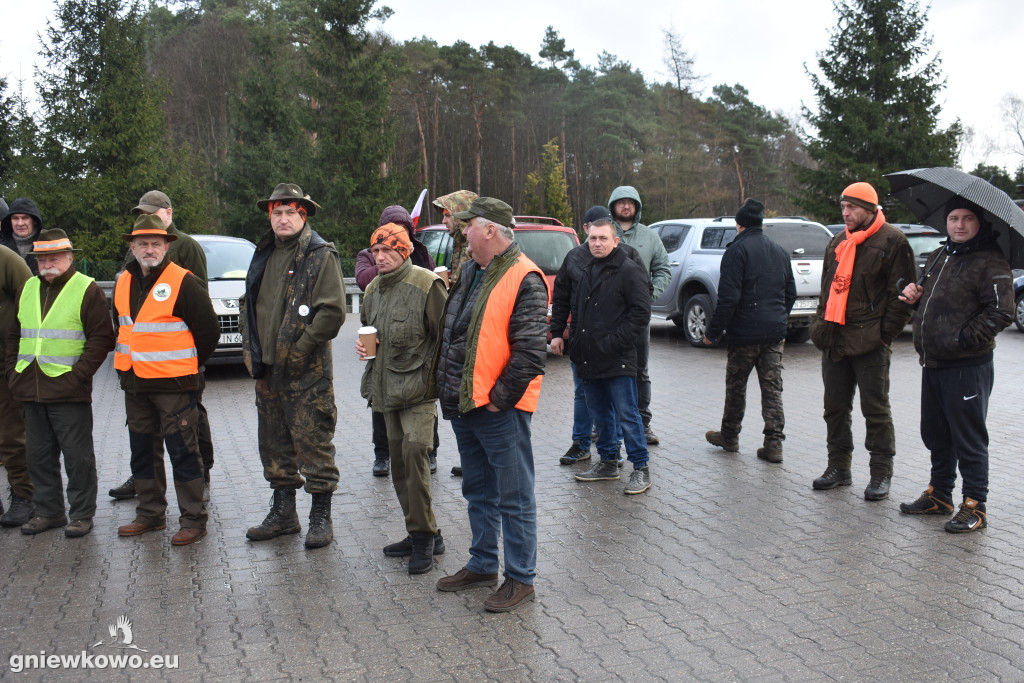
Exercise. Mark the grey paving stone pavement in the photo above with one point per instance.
(728, 569)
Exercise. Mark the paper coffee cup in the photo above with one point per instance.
(442, 272)
(368, 336)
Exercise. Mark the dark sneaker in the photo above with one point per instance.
(970, 518)
(456, 471)
(718, 439)
(19, 513)
(403, 548)
(508, 596)
(125, 491)
(465, 579)
(652, 438)
(639, 481)
(39, 524)
(602, 470)
(381, 467)
(770, 454)
(78, 528)
(878, 488)
(433, 464)
(574, 455)
(832, 478)
(928, 503)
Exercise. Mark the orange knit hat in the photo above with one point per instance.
(862, 195)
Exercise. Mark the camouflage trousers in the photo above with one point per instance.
(295, 433)
(767, 360)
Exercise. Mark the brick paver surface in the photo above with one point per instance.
(729, 568)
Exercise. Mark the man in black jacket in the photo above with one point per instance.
(612, 309)
(966, 300)
(756, 291)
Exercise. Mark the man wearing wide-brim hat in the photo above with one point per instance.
(188, 254)
(293, 307)
(166, 331)
(65, 335)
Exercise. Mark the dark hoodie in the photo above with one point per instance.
(26, 206)
(366, 266)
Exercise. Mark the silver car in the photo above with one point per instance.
(227, 262)
(695, 248)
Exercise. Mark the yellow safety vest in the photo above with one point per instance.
(55, 342)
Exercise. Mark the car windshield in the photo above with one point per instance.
(546, 248)
(925, 244)
(800, 240)
(438, 244)
(227, 260)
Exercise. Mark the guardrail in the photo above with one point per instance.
(353, 295)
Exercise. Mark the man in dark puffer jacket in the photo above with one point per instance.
(966, 300)
(755, 294)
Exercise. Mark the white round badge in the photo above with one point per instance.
(162, 291)
(303, 309)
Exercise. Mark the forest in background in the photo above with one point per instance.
(217, 101)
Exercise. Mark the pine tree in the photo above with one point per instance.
(545, 192)
(876, 102)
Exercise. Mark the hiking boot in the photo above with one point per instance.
(321, 529)
(125, 491)
(970, 518)
(78, 528)
(282, 518)
(433, 464)
(19, 513)
(639, 481)
(574, 455)
(403, 548)
(37, 524)
(770, 454)
(465, 579)
(138, 528)
(382, 467)
(652, 438)
(602, 470)
(187, 535)
(421, 560)
(456, 471)
(718, 439)
(832, 478)
(928, 503)
(878, 488)
(510, 594)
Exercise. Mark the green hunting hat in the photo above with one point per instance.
(148, 224)
(490, 208)
(289, 192)
(152, 201)
(52, 241)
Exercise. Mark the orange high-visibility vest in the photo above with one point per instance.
(157, 344)
(492, 349)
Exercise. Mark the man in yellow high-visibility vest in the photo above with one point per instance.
(65, 335)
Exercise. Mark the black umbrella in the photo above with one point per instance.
(925, 191)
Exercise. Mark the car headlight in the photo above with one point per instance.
(230, 303)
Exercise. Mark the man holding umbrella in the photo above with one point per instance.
(965, 300)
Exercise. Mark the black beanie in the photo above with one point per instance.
(957, 202)
(751, 214)
(597, 213)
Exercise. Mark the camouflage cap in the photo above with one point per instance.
(286, 192)
(148, 224)
(460, 200)
(152, 201)
(490, 209)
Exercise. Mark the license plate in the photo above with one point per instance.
(232, 338)
(806, 303)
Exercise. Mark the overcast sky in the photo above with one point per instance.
(760, 45)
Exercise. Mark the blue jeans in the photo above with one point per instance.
(497, 483)
(582, 421)
(612, 401)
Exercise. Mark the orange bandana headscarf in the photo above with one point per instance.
(296, 205)
(394, 236)
(846, 253)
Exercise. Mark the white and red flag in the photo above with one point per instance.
(415, 213)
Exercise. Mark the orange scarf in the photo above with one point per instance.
(846, 253)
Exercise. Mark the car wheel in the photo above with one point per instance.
(696, 317)
(1018, 314)
(798, 335)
